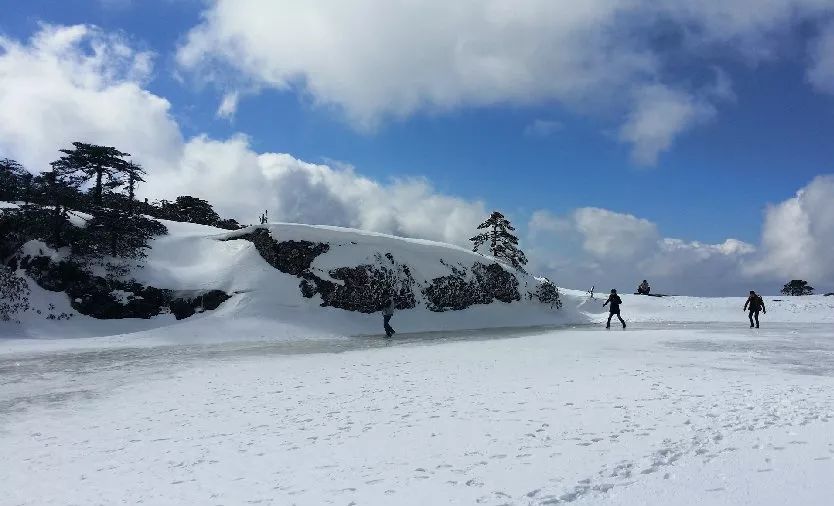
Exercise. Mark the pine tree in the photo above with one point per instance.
(117, 233)
(12, 180)
(57, 188)
(14, 294)
(134, 173)
(189, 209)
(797, 287)
(502, 243)
(94, 162)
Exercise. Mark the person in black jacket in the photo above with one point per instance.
(615, 302)
(387, 313)
(756, 303)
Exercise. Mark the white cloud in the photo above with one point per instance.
(542, 128)
(242, 182)
(228, 106)
(593, 246)
(380, 59)
(542, 221)
(798, 236)
(78, 83)
(821, 72)
(660, 115)
(614, 236)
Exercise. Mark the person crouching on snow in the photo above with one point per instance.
(387, 313)
(615, 302)
(756, 303)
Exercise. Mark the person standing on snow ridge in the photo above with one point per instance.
(615, 302)
(756, 304)
(387, 313)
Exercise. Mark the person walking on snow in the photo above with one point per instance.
(387, 313)
(755, 304)
(615, 302)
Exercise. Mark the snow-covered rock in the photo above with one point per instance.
(295, 281)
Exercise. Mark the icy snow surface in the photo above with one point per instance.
(693, 414)
(271, 399)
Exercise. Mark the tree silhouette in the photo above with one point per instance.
(502, 243)
(57, 188)
(12, 179)
(134, 173)
(94, 162)
(797, 287)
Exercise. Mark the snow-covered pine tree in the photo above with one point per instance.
(502, 243)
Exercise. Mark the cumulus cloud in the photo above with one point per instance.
(593, 246)
(378, 59)
(240, 181)
(660, 114)
(71, 83)
(798, 236)
(614, 236)
(821, 72)
(79, 83)
(228, 106)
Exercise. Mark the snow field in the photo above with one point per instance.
(587, 416)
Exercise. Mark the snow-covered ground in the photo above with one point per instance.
(708, 413)
(273, 399)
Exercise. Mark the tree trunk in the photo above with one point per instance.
(131, 184)
(56, 224)
(99, 173)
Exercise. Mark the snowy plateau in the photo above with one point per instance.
(272, 398)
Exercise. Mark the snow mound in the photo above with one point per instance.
(267, 303)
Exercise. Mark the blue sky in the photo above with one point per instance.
(770, 136)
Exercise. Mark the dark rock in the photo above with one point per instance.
(290, 257)
(182, 308)
(364, 288)
(185, 306)
(495, 283)
(93, 295)
(212, 299)
(458, 291)
(367, 288)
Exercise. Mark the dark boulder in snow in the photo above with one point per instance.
(110, 298)
(291, 257)
(183, 307)
(366, 288)
(482, 284)
(362, 276)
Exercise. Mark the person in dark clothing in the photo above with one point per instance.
(615, 302)
(754, 304)
(387, 313)
(644, 288)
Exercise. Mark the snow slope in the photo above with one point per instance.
(267, 304)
